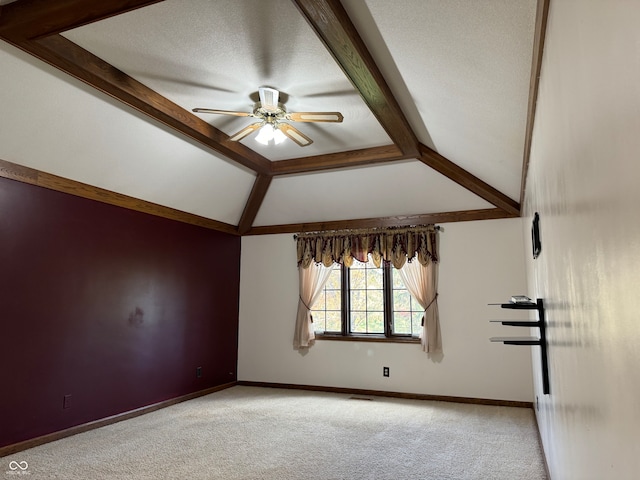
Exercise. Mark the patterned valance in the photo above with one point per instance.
(391, 245)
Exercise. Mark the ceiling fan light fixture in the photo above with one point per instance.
(278, 136)
(270, 112)
(270, 133)
(265, 135)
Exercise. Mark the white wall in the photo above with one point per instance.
(583, 179)
(481, 262)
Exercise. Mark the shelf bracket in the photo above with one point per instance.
(533, 341)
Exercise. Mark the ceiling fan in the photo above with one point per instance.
(272, 116)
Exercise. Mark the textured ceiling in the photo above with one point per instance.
(215, 54)
(458, 70)
(467, 78)
(371, 192)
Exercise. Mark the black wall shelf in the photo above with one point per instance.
(541, 341)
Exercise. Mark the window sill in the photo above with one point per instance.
(366, 338)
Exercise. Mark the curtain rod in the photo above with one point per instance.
(436, 227)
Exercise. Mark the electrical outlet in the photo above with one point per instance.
(385, 371)
(199, 372)
(66, 402)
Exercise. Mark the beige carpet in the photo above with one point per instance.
(261, 433)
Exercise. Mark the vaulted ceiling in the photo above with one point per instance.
(438, 99)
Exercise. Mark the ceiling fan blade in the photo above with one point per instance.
(236, 137)
(269, 98)
(315, 117)
(295, 134)
(222, 112)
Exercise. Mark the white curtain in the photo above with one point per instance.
(422, 283)
(312, 280)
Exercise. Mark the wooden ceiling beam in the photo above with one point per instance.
(83, 65)
(258, 192)
(468, 181)
(352, 158)
(25, 20)
(383, 222)
(78, 189)
(334, 27)
(542, 14)
(29, 19)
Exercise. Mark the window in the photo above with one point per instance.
(327, 314)
(365, 301)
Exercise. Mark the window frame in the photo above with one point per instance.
(345, 304)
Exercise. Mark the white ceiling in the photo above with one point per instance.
(465, 76)
(459, 70)
(371, 192)
(58, 125)
(215, 54)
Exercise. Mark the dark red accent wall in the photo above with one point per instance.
(113, 307)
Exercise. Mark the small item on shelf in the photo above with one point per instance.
(521, 299)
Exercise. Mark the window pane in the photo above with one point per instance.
(407, 316)
(359, 322)
(401, 300)
(402, 323)
(357, 277)
(358, 300)
(374, 277)
(318, 320)
(375, 301)
(397, 279)
(320, 302)
(334, 279)
(334, 322)
(328, 306)
(375, 322)
(367, 298)
(417, 323)
(332, 299)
